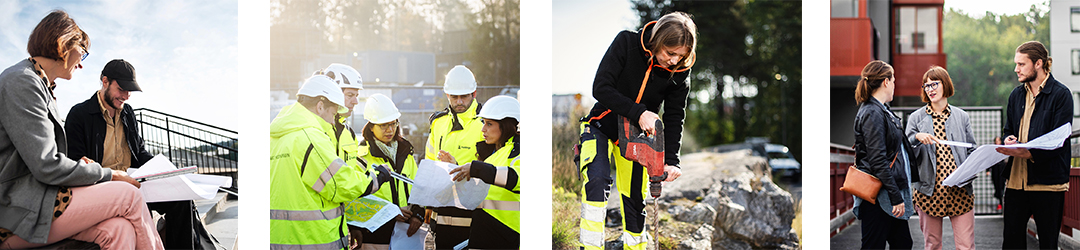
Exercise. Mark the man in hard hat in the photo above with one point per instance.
(454, 134)
(350, 82)
(103, 129)
(308, 182)
(383, 144)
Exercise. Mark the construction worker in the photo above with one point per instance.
(496, 222)
(652, 66)
(454, 134)
(350, 82)
(308, 181)
(383, 144)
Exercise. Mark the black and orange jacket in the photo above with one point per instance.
(619, 81)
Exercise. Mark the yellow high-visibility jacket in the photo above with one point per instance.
(501, 208)
(395, 191)
(455, 133)
(309, 183)
(347, 148)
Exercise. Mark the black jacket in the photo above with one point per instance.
(1053, 108)
(878, 139)
(85, 129)
(618, 81)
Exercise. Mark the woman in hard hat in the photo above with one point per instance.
(496, 222)
(46, 196)
(384, 145)
(640, 71)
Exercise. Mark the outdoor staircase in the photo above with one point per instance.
(219, 216)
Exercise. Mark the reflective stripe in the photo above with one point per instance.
(514, 162)
(327, 175)
(592, 213)
(453, 221)
(501, 205)
(334, 245)
(590, 238)
(500, 176)
(306, 215)
(630, 240)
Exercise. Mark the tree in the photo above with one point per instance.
(495, 51)
(747, 81)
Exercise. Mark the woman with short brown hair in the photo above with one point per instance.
(44, 196)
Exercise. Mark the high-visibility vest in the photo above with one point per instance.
(347, 148)
(456, 136)
(395, 191)
(504, 198)
(309, 183)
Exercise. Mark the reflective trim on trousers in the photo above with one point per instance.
(592, 239)
(592, 212)
(453, 221)
(334, 245)
(501, 205)
(629, 241)
(306, 215)
(327, 175)
(500, 176)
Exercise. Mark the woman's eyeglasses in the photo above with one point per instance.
(388, 125)
(85, 53)
(931, 85)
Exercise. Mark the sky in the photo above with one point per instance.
(184, 52)
(581, 32)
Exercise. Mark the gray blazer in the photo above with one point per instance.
(957, 128)
(32, 161)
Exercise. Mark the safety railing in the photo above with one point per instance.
(190, 143)
(840, 158)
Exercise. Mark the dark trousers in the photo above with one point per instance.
(1020, 205)
(879, 228)
(446, 236)
(179, 226)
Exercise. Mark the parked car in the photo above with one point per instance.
(782, 161)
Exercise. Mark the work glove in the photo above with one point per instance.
(383, 174)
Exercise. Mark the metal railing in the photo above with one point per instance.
(840, 158)
(190, 143)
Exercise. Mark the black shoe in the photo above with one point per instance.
(613, 245)
(614, 218)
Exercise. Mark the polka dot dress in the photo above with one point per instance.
(946, 201)
(63, 196)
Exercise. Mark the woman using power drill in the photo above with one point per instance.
(640, 71)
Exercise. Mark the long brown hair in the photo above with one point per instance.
(873, 75)
(54, 37)
(1036, 51)
(673, 30)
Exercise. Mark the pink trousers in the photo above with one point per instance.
(963, 230)
(112, 214)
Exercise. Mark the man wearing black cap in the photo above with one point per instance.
(103, 129)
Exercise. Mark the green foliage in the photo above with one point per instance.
(980, 52)
(495, 49)
(565, 209)
(747, 81)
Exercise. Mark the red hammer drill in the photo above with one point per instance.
(645, 149)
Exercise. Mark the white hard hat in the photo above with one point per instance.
(500, 107)
(345, 76)
(459, 81)
(380, 109)
(320, 85)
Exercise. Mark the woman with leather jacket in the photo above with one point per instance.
(925, 128)
(882, 151)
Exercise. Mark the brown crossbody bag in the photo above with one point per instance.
(862, 184)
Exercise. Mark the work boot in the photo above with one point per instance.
(614, 218)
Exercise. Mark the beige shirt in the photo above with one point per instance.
(116, 154)
(1019, 173)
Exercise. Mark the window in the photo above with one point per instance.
(1076, 104)
(917, 30)
(1075, 61)
(1074, 18)
(845, 8)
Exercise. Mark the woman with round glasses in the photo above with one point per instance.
(383, 144)
(926, 127)
(44, 196)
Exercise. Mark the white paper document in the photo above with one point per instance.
(986, 156)
(434, 187)
(370, 212)
(177, 188)
(956, 143)
(400, 238)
